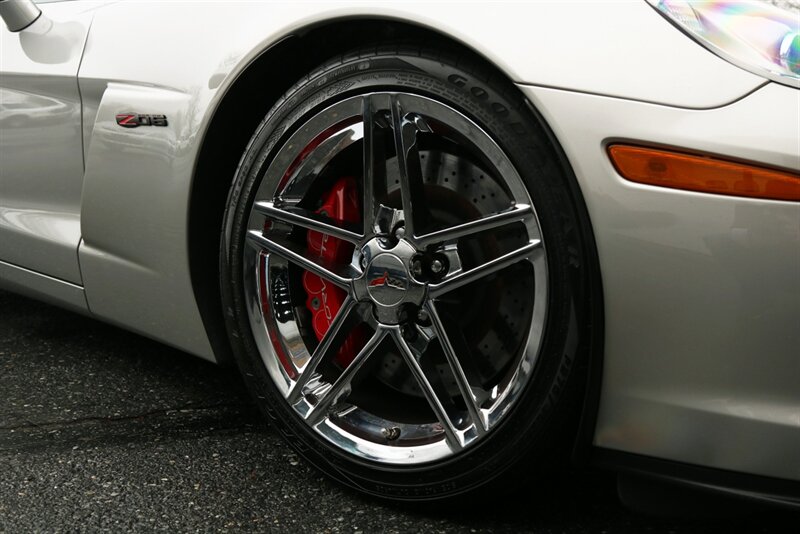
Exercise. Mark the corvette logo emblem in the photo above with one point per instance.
(385, 280)
(134, 120)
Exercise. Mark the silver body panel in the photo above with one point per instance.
(42, 287)
(41, 160)
(702, 293)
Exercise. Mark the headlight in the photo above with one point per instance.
(755, 36)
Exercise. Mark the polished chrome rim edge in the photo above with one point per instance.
(387, 241)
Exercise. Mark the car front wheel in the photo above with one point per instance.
(403, 276)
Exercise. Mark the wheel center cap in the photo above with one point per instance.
(387, 280)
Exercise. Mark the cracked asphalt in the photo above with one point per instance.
(103, 430)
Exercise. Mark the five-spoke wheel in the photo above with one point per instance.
(406, 260)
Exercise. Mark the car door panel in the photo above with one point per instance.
(41, 147)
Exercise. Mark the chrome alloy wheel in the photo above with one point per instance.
(436, 192)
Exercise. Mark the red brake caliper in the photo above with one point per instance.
(325, 299)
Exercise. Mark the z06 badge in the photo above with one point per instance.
(133, 120)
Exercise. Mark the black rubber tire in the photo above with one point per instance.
(544, 421)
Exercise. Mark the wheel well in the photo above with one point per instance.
(242, 108)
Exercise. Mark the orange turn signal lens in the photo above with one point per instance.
(700, 173)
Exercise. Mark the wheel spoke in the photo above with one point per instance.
(374, 167)
(406, 127)
(291, 252)
(310, 221)
(518, 213)
(451, 433)
(458, 371)
(467, 277)
(342, 384)
(327, 348)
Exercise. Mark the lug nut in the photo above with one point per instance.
(437, 267)
(363, 262)
(416, 267)
(423, 317)
(400, 232)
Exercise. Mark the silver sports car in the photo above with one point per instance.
(448, 245)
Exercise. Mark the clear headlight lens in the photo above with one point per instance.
(752, 35)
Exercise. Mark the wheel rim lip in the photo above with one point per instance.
(272, 336)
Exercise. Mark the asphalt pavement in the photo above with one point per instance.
(103, 430)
